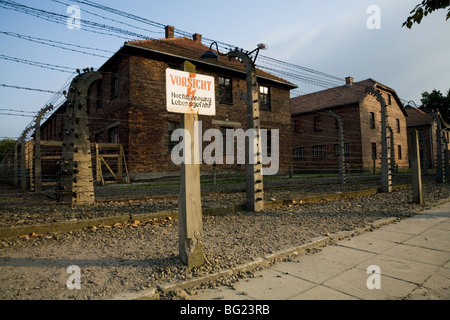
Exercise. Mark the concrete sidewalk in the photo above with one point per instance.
(412, 255)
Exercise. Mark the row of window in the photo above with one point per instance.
(375, 152)
(372, 122)
(172, 126)
(317, 124)
(320, 151)
(226, 94)
(225, 91)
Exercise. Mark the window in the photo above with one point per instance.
(398, 126)
(319, 151)
(113, 134)
(346, 149)
(374, 151)
(400, 156)
(264, 98)
(269, 143)
(171, 127)
(372, 120)
(299, 153)
(317, 121)
(114, 82)
(98, 137)
(389, 99)
(298, 126)
(99, 94)
(225, 90)
(224, 138)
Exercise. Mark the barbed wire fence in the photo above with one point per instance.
(51, 152)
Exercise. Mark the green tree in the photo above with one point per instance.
(5, 146)
(436, 101)
(425, 8)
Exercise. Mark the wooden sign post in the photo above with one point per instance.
(182, 90)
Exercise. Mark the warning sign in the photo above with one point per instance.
(190, 93)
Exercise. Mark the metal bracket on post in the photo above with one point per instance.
(386, 174)
(254, 185)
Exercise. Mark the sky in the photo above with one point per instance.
(328, 36)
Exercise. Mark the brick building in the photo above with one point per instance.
(315, 131)
(128, 106)
(426, 128)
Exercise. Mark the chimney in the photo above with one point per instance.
(349, 81)
(170, 32)
(197, 37)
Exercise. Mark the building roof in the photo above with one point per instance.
(337, 97)
(417, 117)
(186, 48)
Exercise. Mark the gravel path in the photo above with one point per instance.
(135, 256)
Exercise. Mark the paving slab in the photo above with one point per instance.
(273, 285)
(345, 256)
(412, 226)
(418, 254)
(436, 287)
(323, 293)
(433, 239)
(311, 268)
(439, 280)
(353, 282)
(399, 268)
(392, 236)
(444, 226)
(367, 242)
(413, 256)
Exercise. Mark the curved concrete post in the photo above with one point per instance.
(255, 190)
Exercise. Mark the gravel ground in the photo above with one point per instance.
(18, 209)
(138, 255)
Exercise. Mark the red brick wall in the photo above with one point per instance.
(328, 136)
(148, 119)
(357, 133)
(370, 135)
(139, 110)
